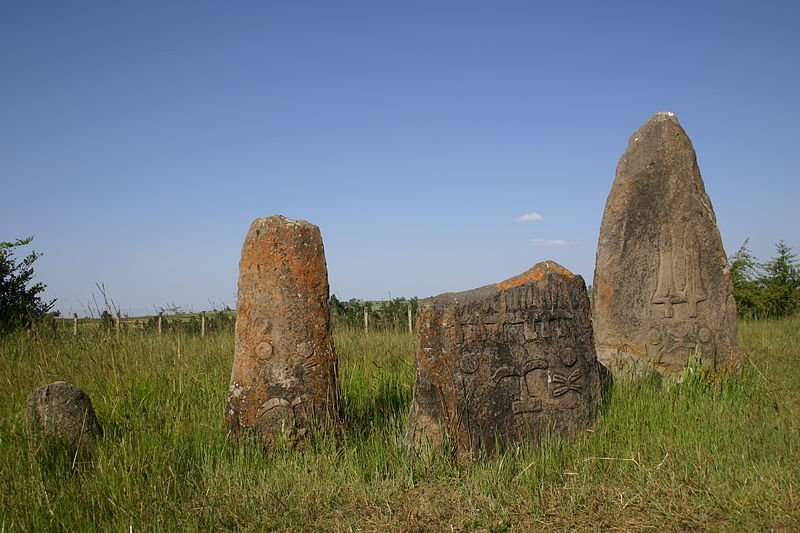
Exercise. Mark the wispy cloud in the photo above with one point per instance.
(551, 242)
(529, 217)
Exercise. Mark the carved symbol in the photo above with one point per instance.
(676, 340)
(568, 356)
(264, 350)
(469, 363)
(271, 404)
(526, 403)
(279, 413)
(568, 383)
(694, 283)
(667, 293)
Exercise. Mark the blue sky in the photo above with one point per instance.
(138, 140)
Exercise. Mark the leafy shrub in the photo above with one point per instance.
(770, 289)
(21, 304)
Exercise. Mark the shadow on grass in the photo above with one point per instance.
(364, 412)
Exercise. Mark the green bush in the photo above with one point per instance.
(770, 289)
(21, 304)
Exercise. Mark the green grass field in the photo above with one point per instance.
(662, 456)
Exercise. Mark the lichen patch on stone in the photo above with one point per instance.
(535, 273)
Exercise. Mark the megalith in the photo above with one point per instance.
(662, 287)
(505, 362)
(283, 382)
(64, 412)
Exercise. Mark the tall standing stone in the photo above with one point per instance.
(662, 284)
(505, 362)
(284, 370)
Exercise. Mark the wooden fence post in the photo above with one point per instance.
(202, 324)
(410, 327)
(74, 324)
(366, 320)
(160, 314)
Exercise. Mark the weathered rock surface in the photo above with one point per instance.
(662, 285)
(63, 411)
(504, 362)
(284, 370)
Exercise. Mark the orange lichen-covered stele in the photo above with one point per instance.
(283, 381)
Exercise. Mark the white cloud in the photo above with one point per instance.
(551, 242)
(529, 217)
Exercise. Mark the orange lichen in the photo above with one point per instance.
(534, 274)
(282, 330)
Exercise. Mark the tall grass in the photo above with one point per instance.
(662, 456)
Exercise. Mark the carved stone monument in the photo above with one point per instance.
(284, 370)
(504, 362)
(63, 411)
(662, 285)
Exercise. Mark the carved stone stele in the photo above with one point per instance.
(284, 370)
(504, 362)
(662, 288)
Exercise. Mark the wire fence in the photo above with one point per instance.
(370, 317)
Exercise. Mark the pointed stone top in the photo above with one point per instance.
(662, 130)
(536, 273)
(665, 114)
(659, 118)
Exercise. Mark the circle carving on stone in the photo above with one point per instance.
(277, 413)
(264, 350)
(469, 364)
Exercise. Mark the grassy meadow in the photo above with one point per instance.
(661, 457)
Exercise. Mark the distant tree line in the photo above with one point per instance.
(389, 315)
(770, 289)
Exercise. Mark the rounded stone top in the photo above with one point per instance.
(279, 220)
(275, 225)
